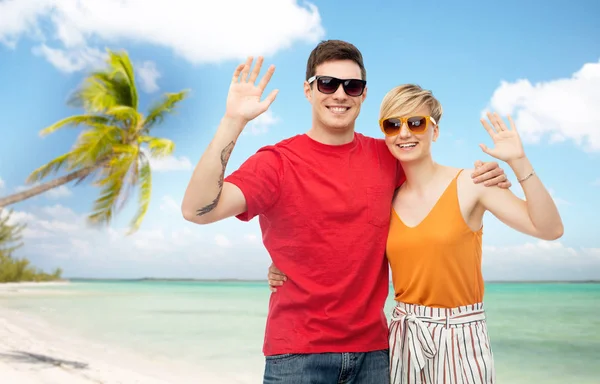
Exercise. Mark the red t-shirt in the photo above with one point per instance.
(324, 212)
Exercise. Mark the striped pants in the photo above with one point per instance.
(440, 346)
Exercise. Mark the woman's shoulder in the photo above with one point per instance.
(452, 172)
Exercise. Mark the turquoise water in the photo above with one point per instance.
(540, 333)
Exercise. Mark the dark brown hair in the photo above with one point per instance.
(330, 50)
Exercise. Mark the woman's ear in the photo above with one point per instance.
(436, 132)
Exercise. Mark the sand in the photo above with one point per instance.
(34, 352)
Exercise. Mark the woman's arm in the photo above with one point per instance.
(537, 215)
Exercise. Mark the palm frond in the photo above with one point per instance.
(97, 93)
(145, 193)
(74, 121)
(127, 149)
(158, 147)
(112, 184)
(130, 179)
(120, 64)
(94, 144)
(102, 90)
(10, 234)
(53, 166)
(158, 111)
(127, 116)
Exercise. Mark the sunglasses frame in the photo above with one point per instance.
(404, 120)
(342, 82)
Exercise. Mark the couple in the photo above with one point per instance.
(326, 201)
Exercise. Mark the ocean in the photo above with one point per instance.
(540, 332)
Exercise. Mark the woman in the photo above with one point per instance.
(438, 330)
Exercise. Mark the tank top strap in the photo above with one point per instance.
(447, 210)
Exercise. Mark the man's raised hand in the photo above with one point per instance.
(243, 100)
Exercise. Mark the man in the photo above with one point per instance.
(323, 199)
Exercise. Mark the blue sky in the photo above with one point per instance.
(538, 60)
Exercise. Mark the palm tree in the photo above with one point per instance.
(17, 269)
(115, 148)
(10, 234)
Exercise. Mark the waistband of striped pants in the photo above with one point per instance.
(414, 319)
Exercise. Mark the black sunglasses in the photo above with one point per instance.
(329, 85)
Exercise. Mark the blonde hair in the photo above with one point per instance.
(407, 98)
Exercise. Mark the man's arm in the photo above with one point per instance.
(208, 198)
(490, 174)
(275, 277)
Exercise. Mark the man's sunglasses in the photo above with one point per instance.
(329, 85)
(416, 124)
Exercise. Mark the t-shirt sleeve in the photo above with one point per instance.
(259, 179)
(400, 176)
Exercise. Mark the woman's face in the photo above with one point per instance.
(408, 146)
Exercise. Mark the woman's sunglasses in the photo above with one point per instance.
(416, 124)
(329, 85)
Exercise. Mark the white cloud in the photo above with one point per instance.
(541, 260)
(2, 183)
(596, 183)
(559, 110)
(17, 216)
(18, 17)
(171, 163)
(250, 237)
(170, 206)
(168, 246)
(200, 32)
(71, 61)
(54, 193)
(56, 236)
(262, 123)
(148, 74)
(59, 192)
(222, 241)
(59, 212)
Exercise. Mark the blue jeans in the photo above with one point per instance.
(328, 368)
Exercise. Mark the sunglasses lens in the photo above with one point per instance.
(391, 126)
(417, 124)
(354, 87)
(328, 85)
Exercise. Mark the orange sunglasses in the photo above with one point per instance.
(416, 124)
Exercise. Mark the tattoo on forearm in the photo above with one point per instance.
(225, 154)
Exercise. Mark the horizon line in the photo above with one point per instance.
(182, 279)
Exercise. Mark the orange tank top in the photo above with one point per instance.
(437, 263)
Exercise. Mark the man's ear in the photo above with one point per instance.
(308, 91)
(364, 95)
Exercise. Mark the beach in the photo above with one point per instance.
(33, 351)
(31, 354)
(211, 332)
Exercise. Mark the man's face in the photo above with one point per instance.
(336, 111)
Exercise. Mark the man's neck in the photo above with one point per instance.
(331, 137)
(420, 174)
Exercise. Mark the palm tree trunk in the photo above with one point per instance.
(39, 189)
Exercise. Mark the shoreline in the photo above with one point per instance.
(232, 280)
(31, 287)
(33, 351)
(27, 284)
